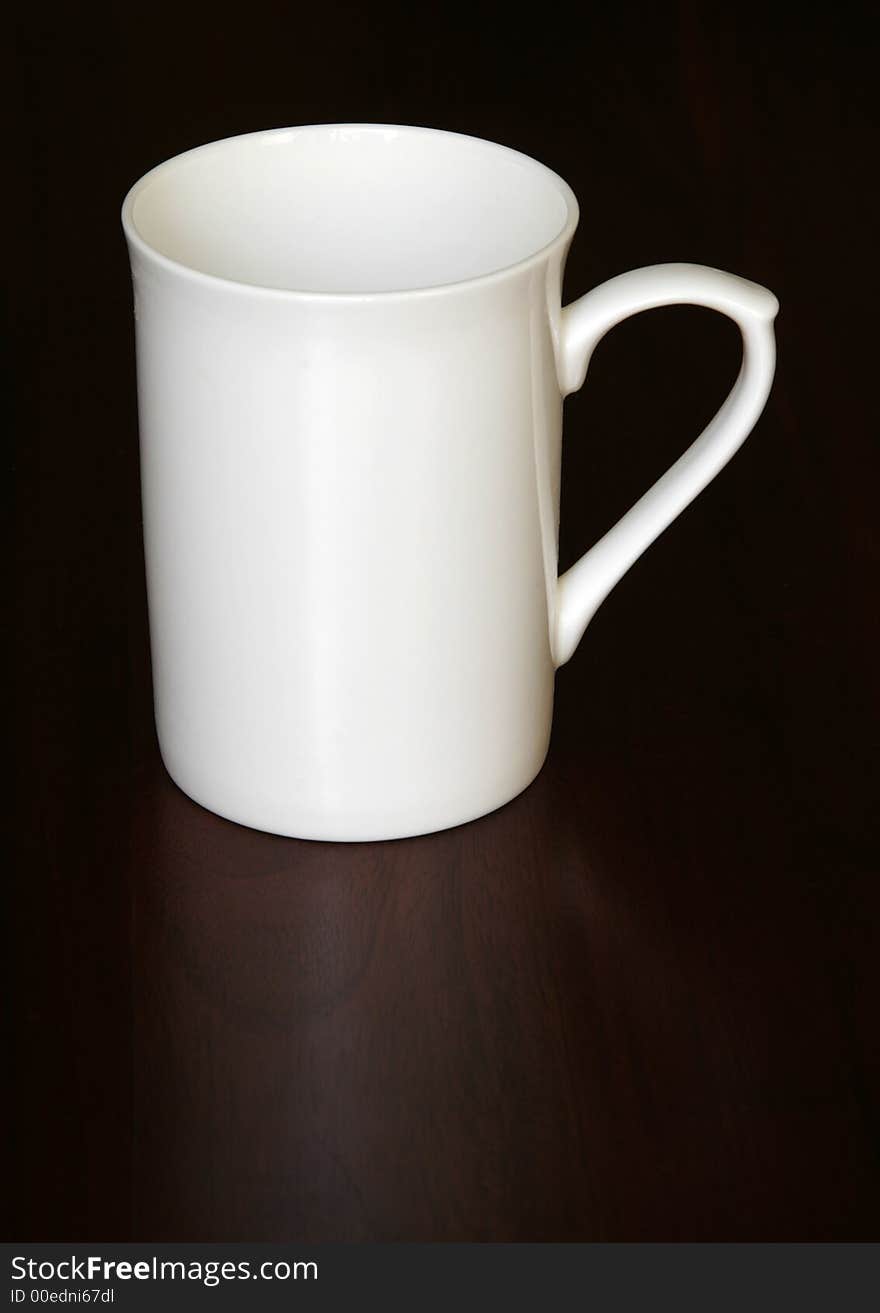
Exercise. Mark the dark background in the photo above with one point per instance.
(639, 1002)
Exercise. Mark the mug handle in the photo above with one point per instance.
(583, 588)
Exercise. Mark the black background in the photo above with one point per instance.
(640, 1001)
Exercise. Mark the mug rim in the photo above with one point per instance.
(177, 267)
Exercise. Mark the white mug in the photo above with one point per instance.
(352, 358)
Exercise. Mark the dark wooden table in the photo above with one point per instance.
(640, 1002)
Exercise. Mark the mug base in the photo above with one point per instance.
(348, 831)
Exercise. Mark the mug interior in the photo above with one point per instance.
(349, 209)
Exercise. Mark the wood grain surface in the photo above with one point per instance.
(639, 1002)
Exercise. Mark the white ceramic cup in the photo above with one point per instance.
(352, 357)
